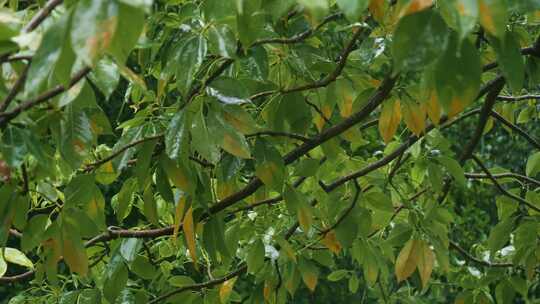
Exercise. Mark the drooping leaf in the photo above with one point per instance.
(389, 119)
(419, 39)
(407, 260)
(188, 226)
(94, 28)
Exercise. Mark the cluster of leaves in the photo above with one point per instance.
(216, 151)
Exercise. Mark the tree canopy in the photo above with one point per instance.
(269, 151)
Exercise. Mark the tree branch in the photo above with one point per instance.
(42, 15)
(533, 141)
(500, 188)
(518, 98)
(5, 117)
(516, 176)
(476, 260)
(299, 37)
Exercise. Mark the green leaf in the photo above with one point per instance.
(189, 58)
(228, 91)
(458, 76)
(533, 164)
(89, 296)
(73, 249)
(419, 39)
(129, 248)
(337, 275)
(316, 9)
(455, 170)
(15, 256)
(125, 198)
(269, 166)
(297, 204)
(105, 76)
(95, 23)
(255, 256)
(77, 136)
(181, 281)
(176, 135)
(46, 57)
(353, 9)
(3, 266)
(500, 234)
(116, 276)
(510, 60)
(129, 28)
(221, 40)
(379, 201)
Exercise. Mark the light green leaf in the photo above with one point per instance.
(353, 9)
(533, 164)
(189, 58)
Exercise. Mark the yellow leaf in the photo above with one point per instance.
(433, 108)
(226, 289)
(225, 188)
(310, 279)
(189, 233)
(267, 290)
(425, 262)
(414, 116)
(319, 120)
(389, 119)
(75, 257)
(331, 242)
(305, 218)
(233, 145)
(345, 95)
(178, 213)
(376, 8)
(456, 106)
(289, 251)
(407, 260)
(179, 175)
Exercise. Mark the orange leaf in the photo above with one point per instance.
(376, 8)
(389, 119)
(331, 242)
(433, 108)
(418, 5)
(414, 116)
(226, 289)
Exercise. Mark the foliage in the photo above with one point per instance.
(219, 151)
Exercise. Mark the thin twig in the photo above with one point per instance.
(500, 188)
